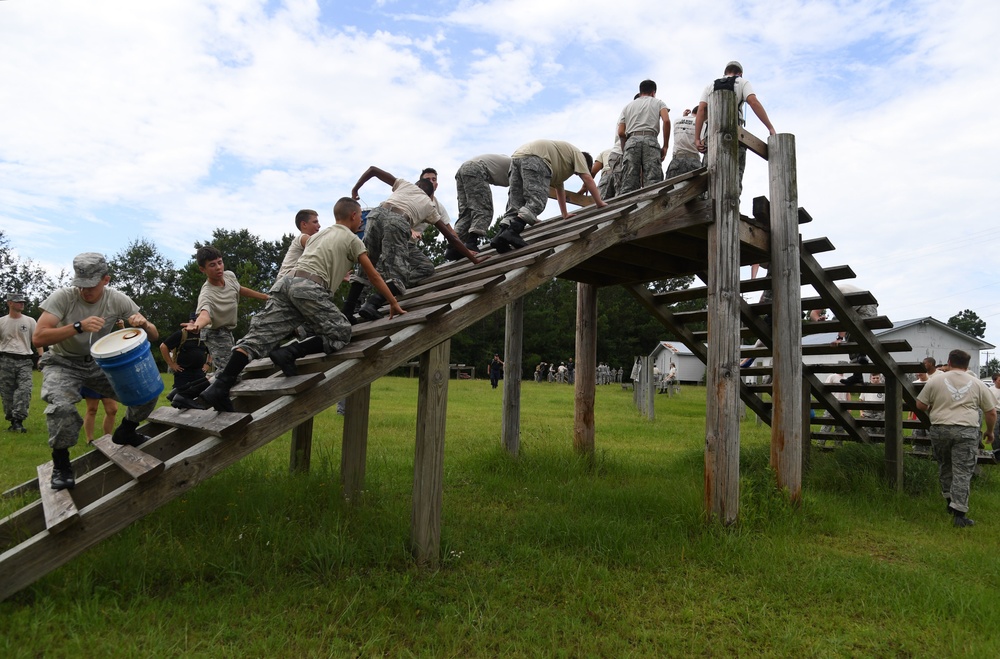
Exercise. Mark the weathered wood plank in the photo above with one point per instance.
(428, 461)
(510, 430)
(217, 424)
(585, 376)
(60, 511)
(300, 449)
(354, 444)
(277, 384)
(136, 464)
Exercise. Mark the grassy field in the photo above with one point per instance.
(542, 556)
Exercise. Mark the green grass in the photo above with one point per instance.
(544, 555)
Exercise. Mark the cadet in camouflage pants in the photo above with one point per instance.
(529, 189)
(220, 345)
(15, 386)
(64, 376)
(611, 178)
(296, 301)
(397, 258)
(475, 200)
(642, 163)
(955, 450)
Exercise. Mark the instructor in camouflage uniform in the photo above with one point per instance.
(16, 362)
(953, 401)
(72, 320)
(638, 133)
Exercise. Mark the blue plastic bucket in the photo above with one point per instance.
(364, 223)
(127, 361)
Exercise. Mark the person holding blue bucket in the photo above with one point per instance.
(73, 320)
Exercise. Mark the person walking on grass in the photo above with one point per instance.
(953, 401)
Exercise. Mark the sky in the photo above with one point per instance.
(166, 119)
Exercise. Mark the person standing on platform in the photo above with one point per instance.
(686, 157)
(638, 134)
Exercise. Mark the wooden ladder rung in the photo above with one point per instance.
(217, 424)
(132, 460)
(277, 384)
(60, 511)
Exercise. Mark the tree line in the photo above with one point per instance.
(167, 294)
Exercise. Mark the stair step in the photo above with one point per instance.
(60, 511)
(136, 464)
(276, 384)
(217, 424)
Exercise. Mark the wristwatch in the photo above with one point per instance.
(78, 327)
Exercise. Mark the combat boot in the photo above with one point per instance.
(217, 393)
(285, 356)
(350, 307)
(62, 471)
(370, 309)
(512, 234)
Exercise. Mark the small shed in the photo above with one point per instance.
(927, 336)
(690, 369)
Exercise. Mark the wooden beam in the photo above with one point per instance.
(510, 431)
(428, 461)
(60, 511)
(894, 453)
(786, 412)
(354, 445)
(132, 460)
(722, 372)
(300, 449)
(584, 387)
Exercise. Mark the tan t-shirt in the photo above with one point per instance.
(955, 399)
(221, 301)
(68, 307)
(332, 253)
(498, 168)
(643, 114)
(15, 334)
(291, 256)
(563, 159)
(419, 208)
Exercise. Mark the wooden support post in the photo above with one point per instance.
(650, 389)
(428, 462)
(893, 432)
(301, 448)
(786, 413)
(722, 374)
(510, 432)
(354, 446)
(806, 452)
(585, 382)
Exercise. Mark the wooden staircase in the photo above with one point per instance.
(117, 486)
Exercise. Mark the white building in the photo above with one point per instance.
(690, 369)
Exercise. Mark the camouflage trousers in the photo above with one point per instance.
(394, 255)
(220, 346)
(611, 177)
(529, 189)
(955, 449)
(475, 200)
(62, 378)
(642, 164)
(682, 165)
(15, 386)
(296, 301)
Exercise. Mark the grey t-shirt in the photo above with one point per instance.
(67, 305)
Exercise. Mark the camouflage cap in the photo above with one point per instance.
(89, 268)
(16, 296)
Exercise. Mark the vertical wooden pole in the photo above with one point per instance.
(428, 462)
(722, 375)
(806, 450)
(301, 448)
(584, 387)
(354, 447)
(650, 390)
(786, 316)
(510, 432)
(893, 432)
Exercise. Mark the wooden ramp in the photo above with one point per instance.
(665, 225)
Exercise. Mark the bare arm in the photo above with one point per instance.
(758, 110)
(561, 198)
(456, 243)
(591, 187)
(370, 173)
(202, 321)
(921, 405)
(699, 125)
(257, 295)
(991, 422)
(138, 320)
(165, 352)
(594, 171)
(376, 280)
(48, 332)
(665, 118)
(622, 137)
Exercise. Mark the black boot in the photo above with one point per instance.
(499, 241)
(284, 357)
(17, 425)
(126, 433)
(472, 242)
(62, 470)
(217, 394)
(350, 307)
(370, 309)
(512, 234)
(856, 378)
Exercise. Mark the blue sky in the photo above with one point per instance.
(166, 119)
